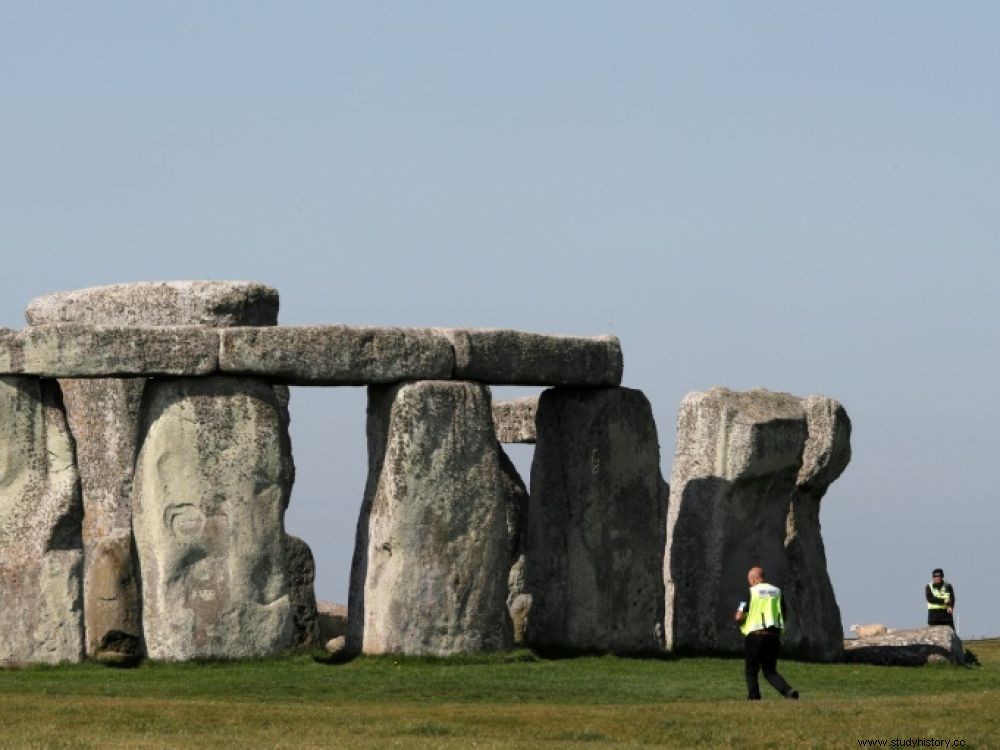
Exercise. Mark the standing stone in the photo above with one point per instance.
(208, 515)
(515, 419)
(115, 595)
(302, 592)
(815, 630)
(737, 466)
(516, 510)
(41, 615)
(594, 549)
(432, 554)
(104, 412)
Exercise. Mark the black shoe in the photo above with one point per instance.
(792, 695)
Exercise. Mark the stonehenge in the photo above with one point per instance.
(146, 467)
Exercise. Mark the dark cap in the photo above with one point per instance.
(937, 572)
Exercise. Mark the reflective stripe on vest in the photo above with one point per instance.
(765, 609)
(940, 593)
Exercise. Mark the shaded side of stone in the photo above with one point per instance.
(432, 554)
(114, 604)
(594, 549)
(515, 419)
(208, 515)
(737, 459)
(516, 511)
(815, 630)
(302, 592)
(41, 617)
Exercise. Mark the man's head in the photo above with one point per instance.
(755, 575)
(937, 575)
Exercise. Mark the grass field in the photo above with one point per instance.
(514, 700)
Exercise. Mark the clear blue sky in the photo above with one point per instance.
(800, 196)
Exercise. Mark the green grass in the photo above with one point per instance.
(510, 700)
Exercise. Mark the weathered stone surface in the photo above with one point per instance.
(40, 549)
(302, 592)
(737, 460)
(160, 303)
(748, 476)
(516, 513)
(507, 357)
(11, 352)
(515, 419)
(332, 620)
(815, 630)
(71, 350)
(594, 549)
(104, 412)
(208, 510)
(907, 647)
(337, 354)
(114, 605)
(432, 554)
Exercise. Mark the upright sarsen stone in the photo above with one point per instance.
(432, 554)
(594, 548)
(103, 413)
(749, 472)
(41, 614)
(208, 502)
(815, 630)
(737, 460)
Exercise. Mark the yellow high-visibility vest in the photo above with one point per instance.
(940, 593)
(765, 609)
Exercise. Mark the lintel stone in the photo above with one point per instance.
(336, 354)
(507, 357)
(69, 350)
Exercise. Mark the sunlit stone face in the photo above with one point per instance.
(209, 498)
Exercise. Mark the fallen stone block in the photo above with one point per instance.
(594, 545)
(506, 357)
(41, 613)
(514, 419)
(336, 354)
(907, 648)
(71, 350)
(208, 501)
(432, 555)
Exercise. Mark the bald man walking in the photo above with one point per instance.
(762, 622)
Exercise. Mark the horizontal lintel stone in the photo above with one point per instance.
(311, 355)
(74, 350)
(336, 354)
(507, 357)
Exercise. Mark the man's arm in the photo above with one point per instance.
(931, 599)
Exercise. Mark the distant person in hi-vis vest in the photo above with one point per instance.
(762, 622)
(940, 597)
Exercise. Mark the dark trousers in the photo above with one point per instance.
(940, 617)
(762, 654)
